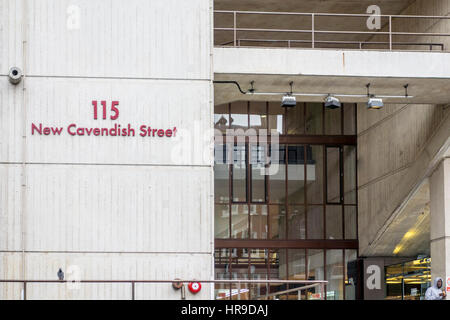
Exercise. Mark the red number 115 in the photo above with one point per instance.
(113, 109)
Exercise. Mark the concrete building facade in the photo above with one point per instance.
(111, 162)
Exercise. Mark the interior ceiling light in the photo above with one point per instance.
(332, 102)
(372, 102)
(288, 100)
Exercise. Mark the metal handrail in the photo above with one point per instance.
(308, 283)
(313, 31)
(359, 43)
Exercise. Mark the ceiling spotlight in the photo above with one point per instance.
(288, 100)
(373, 103)
(332, 102)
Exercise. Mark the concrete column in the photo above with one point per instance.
(440, 221)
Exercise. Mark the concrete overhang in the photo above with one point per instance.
(333, 71)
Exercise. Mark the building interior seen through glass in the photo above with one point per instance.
(408, 280)
(285, 209)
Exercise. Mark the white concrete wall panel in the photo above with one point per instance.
(11, 47)
(105, 266)
(59, 102)
(113, 38)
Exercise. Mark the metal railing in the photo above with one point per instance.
(234, 292)
(313, 31)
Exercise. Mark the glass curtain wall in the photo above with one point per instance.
(302, 218)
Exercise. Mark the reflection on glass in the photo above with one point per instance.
(349, 175)
(277, 178)
(276, 117)
(257, 162)
(333, 175)
(314, 112)
(314, 174)
(350, 222)
(221, 175)
(349, 119)
(221, 117)
(314, 228)
(258, 221)
(333, 121)
(221, 221)
(296, 222)
(333, 222)
(277, 220)
(239, 174)
(239, 115)
(335, 275)
(258, 115)
(239, 221)
(296, 119)
(296, 174)
(350, 274)
(315, 271)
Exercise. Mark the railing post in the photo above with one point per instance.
(132, 290)
(312, 30)
(234, 28)
(390, 33)
(24, 290)
(239, 291)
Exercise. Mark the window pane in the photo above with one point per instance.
(350, 274)
(335, 275)
(333, 175)
(350, 222)
(258, 116)
(258, 221)
(314, 120)
(296, 119)
(276, 117)
(221, 117)
(296, 223)
(239, 221)
(315, 271)
(334, 222)
(315, 222)
(333, 121)
(239, 271)
(257, 161)
(296, 174)
(277, 265)
(239, 174)
(349, 119)
(258, 271)
(349, 174)
(277, 220)
(239, 115)
(221, 175)
(314, 174)
(296, 265)
(221, 221)
(222, 272)
(277, 176)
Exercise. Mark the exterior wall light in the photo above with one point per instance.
(332, 102)
(373, 103)
(288, 100)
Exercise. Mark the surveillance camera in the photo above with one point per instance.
(15, 75)
(288, 101)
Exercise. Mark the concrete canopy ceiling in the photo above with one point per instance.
(388, 7)
(425, 91)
